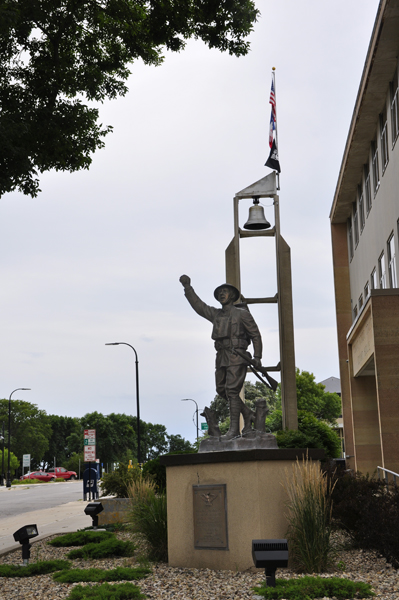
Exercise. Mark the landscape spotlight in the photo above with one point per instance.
(92, 510)
(270, 554)
(23, 536)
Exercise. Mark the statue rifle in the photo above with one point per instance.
(270, 383)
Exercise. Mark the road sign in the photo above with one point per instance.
(204, 426)
(26, 460)
(89, 453)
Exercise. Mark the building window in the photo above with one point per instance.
(375, 167)
(392, 262)
(367, 188)
(384, 138)
(373, 280)
(350, 239)
(355, 224)
(360, 302)
(381, 271)
(366, 291)
(394, 107)
(361, 208)
(355, 312)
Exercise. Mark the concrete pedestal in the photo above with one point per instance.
(255, 502)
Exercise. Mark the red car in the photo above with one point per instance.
(60, 472)
(40, 475)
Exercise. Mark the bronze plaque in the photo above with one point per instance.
(210, 517)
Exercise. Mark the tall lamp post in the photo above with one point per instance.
(137, 394)
(2, 455)
(196, 412)
(8, 484)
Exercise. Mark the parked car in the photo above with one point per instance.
(64, 473)
(41, 475)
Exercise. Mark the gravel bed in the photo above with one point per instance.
(167, 583)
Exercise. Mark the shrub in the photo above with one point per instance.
(80, 538)
(309, 517)
(110, 547)
(308, 588)
(105, 591)
(368, 510)
(148, 518)
(38, 568)
(153, 469)
(96, 575)
(311, 433)
(117, 482)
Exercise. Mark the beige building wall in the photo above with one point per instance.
(367, 307)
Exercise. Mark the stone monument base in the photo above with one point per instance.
(254, 440)
(242, 488)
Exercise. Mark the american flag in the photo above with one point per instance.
(272, 101)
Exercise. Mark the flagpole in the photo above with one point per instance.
(275, 108)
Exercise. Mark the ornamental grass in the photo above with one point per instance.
(309, 517)
(148, 517)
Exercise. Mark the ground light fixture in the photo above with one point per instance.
(270, 555)
(23, 536)
(92, 510)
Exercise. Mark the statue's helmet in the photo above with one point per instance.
(236, 293)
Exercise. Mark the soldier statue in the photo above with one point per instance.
(233, 330)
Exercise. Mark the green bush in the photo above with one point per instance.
(311, 433)
(308, 588)
(38, 568)
(105, 591)
(110, 547)
(368, 510)
(153, 469)
(148, 518)
(96, 575)
(80, 538)
(309, 517)
(117, 482)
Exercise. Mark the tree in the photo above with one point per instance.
(312, 398)
(14, 462)
(252, 392)
(115, 435)
(178, 444)
(62, 428)
(30, 429)
(57, 55)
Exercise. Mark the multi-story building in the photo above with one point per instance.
(365, 231)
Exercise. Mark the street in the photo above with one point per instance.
(19, 500)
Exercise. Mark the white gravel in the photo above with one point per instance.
(167, 583)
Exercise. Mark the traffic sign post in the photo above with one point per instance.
(204, 426)
(89, 448)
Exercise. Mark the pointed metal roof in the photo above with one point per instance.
(264, 188)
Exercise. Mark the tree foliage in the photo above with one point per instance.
(64, 432)
(59, 56)
(30, 429)
(312, 398)
(311, 433)
(14, 462)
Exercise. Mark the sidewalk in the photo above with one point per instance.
(61, 519)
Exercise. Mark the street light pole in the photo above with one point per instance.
(137, 394)
(196, 411)
(2, 456)
(8, 484)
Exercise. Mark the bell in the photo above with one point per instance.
(256, 219)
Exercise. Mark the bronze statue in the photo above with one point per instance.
(233, 330)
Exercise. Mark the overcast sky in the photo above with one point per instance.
(97, 256)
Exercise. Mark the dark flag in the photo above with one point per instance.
(273, 160)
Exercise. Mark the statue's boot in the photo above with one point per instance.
(249, 418)
(234, 430)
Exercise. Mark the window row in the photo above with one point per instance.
(368, 187)
(378, 277)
